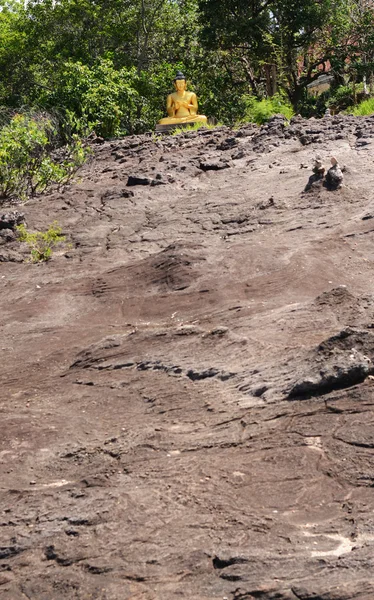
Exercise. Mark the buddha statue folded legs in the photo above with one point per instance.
(189, 119)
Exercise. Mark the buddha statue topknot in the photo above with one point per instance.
(181, 106)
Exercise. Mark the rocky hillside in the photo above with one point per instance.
(187, 405)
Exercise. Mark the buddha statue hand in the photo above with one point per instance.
(184, 104)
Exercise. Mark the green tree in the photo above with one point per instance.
(12, 51)
(292, 39)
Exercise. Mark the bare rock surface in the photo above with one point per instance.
(187, 405)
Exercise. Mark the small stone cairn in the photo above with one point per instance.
(332, 179)
(334, 176)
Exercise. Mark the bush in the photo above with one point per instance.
(26, 164)
(260, 111)
(41, 243)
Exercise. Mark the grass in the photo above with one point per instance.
(363, 109)
(194, 127)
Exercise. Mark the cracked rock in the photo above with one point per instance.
(343, 369)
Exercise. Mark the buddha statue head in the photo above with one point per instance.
(180, 83)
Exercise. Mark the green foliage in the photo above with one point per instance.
(365, 108)
(340, 99)
(26, 165)
(220, 84)
(99, 98)
(260, 111)
(41, 243)
(12, 51)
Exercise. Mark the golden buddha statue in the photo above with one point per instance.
(181, 106)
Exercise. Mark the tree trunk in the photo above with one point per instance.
(249, 75)
(271, 80)
(296, 95)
